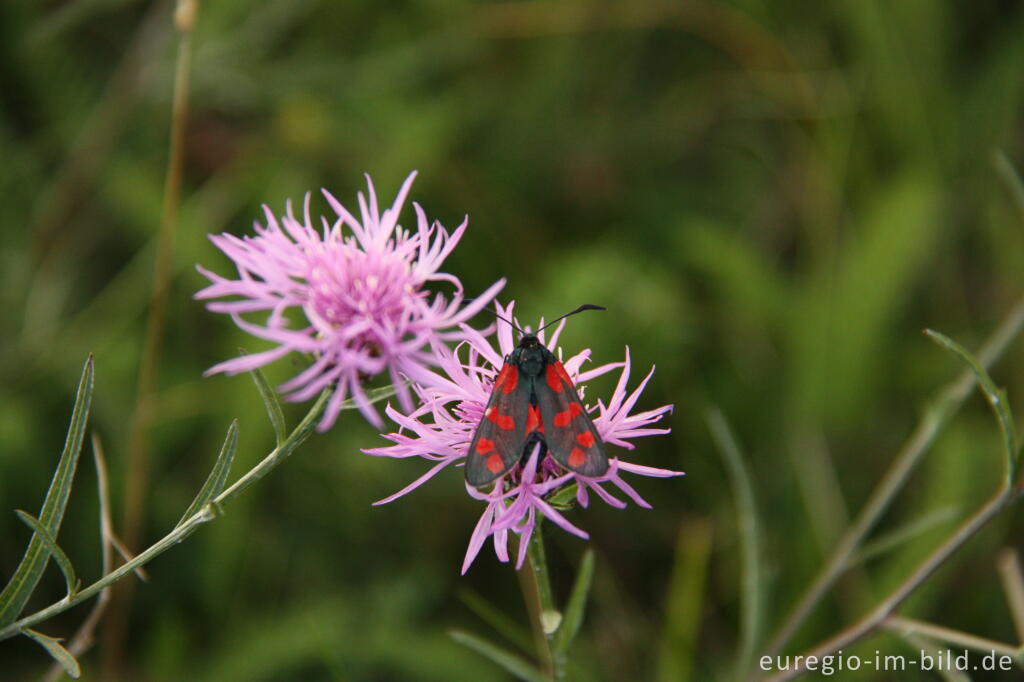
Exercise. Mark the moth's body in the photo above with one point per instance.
(531, 358)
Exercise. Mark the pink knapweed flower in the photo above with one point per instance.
(451, 407)
(360, 293)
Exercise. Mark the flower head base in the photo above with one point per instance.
(441, 429)
(360, 291)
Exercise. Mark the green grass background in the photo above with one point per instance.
(771, 198)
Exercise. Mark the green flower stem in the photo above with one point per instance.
(185, 528)
(539, 564)
(1003, 498)
(931, 424)
(536, 585)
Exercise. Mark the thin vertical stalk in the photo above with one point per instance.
(536, 586)
(137, 470)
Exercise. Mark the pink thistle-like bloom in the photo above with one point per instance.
(451, 407)
(359, 291)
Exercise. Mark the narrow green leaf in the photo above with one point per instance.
(514, 665)
(374, 395)
(684, 605)
(996, 398)
(298, 435)
(56, 651)
(51, 545)
(1010, 178)
(576, 607)
(218, 475)
(564, 498)
(751, 588)
(273, 405)
(30, 570)
(497, 619)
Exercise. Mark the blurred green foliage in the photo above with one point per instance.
(772, 199)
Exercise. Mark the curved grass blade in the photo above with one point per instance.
(995, 396)
(30, 570)
(218, 475)
(56, 651)
(575, 608)
(51, 545)
(904, 534)
(273, 405)
(509, 662)
(684, 603)
(497, 619)
(751, 589)
(1010, 178)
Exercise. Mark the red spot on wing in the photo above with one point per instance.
(585, 438)
(533, 420)
(507, 380)
(494, 463)
(484, 445)
(554, 378)
(562, 374)
(563, 418)
(504, 421)
(577, 457)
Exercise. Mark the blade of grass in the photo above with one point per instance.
(497, 619)
(996, 398)
(1013, 585)
(218, 475)
(30, 570)
(908, 531)
(948, 636)
(1010, 178)
(751, 589)
(509, 662)
(140, 426)
(575, 608)
(925, 644)
(56, 651)
(677, 652)
(51, 545)
(940, 409)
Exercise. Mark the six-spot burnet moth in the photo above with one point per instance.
(534, 401)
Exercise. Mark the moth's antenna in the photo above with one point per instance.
(585, 306)
(505, 319)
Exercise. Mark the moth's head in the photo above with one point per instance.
(529, 341)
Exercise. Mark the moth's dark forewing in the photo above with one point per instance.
(571, 437)
(498, 441)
